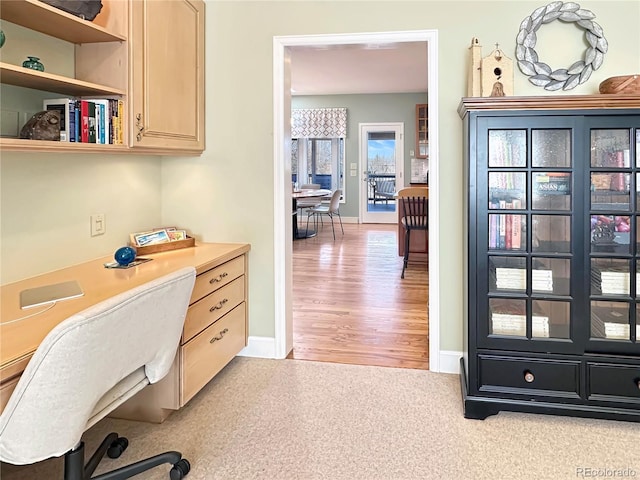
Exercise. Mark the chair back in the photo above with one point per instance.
(310, 186)
(415, 212)
(130, 339)
(334, 204)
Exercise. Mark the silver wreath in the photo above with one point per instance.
(540, 74)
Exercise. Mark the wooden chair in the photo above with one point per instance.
(414, 202)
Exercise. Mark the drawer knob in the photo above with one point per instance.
(219, 305)
(529, 377)
(218, 278)
(219, 337)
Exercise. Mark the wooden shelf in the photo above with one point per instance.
(36, 15)
(25, 77)
(21, 145)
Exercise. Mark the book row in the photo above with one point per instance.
(506, 232)
(98, 121)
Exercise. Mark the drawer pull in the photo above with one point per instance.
(218, 278)
(219, 305)
(222, 332)
(637, 380)
(529, 377)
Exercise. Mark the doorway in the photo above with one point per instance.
(382, 167)
(283, 327)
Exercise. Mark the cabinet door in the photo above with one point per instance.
(613, 279)
(167, 49)
(422, 131)
(527, 237)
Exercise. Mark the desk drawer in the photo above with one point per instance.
(209, 309)
(208, 352)
(614, 382)
(217, 277)
(530, 376)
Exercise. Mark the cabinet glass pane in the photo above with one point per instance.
(507, 316)
(550, 319)
(637, 324)
(507, 274)
(610, 191)
(638, 147)
(507, 232)
(551, 191)
(610, 148)
(507, 148)
(551, 275)
(610, 234)
(551, 234)
(610, 320)
(610, 276)
(507, 190)
(551, 148)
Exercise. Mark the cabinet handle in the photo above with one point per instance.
(219, 305)
(139, 126)
(529, 377)
(219, 278)
(637, 380)
(222, 332)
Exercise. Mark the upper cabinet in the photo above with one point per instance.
(147, 53)
(422, 131)
(167, 85)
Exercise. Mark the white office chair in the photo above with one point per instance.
(88, 365)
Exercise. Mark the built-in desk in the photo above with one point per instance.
(215, 327)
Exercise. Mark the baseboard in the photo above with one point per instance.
(450, 361)
(259, 347)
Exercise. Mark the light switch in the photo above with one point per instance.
(353, 166)
(98, 224)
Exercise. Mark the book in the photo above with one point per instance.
(92, 121)
(105, 120)
(62, 106)
(72, 121)
(84, 118)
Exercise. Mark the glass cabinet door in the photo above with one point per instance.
(613, 221)
(528, 239)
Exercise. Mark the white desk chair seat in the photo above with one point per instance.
(88, 365)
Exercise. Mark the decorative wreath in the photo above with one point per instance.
(540, 74)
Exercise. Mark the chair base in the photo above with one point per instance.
(114, 446)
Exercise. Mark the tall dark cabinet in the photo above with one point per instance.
(552, 256)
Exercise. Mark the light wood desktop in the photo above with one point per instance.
(221, 287)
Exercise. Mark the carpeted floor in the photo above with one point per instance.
(293, 419)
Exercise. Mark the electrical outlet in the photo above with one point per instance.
(98, 224)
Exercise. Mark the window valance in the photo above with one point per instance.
(319, 123)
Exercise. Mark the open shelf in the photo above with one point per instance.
(36, 15)
(25, 77)
(19, 145)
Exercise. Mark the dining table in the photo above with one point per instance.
(299, 233)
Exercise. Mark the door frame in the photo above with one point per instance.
(398, 127)
(282, 244)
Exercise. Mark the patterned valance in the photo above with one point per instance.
(319, 123)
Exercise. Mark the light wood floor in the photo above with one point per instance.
(349, 303)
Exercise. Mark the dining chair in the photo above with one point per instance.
(330, 210)
(311, 202)
(415, 216)
(88, 365)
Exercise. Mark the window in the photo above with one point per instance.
(318, 160)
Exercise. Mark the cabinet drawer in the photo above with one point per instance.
(622, 381)
(207, 353)
(515, 375)
(217, 277)
(209, 309)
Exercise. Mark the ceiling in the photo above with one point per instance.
(359, 68)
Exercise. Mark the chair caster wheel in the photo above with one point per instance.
(180, 470)
(117, 447)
